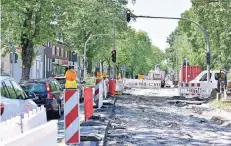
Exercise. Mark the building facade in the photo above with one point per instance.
(57, 59)
(15, 69)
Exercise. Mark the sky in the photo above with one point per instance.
(158, 29)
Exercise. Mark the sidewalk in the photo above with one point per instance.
(215, 112)
(93, 130)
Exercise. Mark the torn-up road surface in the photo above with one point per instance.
(153, 121)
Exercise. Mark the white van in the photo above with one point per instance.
(202, 78)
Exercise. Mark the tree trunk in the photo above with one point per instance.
(89, 67)
(102, 65)
(109, 70)
(27, 45)
(27, 56)
(132, 74)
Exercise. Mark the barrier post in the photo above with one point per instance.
(88, 104)
(112, 87)
(96, 97)
(71, 116)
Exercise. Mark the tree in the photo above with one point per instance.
(215, 18)
(31, 23)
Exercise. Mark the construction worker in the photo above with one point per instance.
(222, 81)
(71, 78)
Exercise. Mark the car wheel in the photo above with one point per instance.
(58, 113)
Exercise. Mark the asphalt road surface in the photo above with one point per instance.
(146, 118)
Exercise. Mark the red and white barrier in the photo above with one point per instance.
(145, 84)
(119, 86)
(98, 98)
(190, 90)
(71, 116)
(105, 88)
(88, 104)
(112, 87)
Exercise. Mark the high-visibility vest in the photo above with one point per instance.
(70, 79)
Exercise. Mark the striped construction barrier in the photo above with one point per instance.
(88, 104)
(71, 116)
(144, 84)
(112, 87)
(190, 90)
(119, 86)
(105, 88)
(98, 98)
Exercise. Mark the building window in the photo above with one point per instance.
(62, 53)
(53, 50)
(66, 54)
(50, 65)
(57, 53)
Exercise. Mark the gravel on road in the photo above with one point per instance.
(149, 119)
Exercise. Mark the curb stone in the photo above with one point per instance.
(104, 128)
(109, 122)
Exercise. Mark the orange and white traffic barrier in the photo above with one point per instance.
(98, 98)
(119, 86)
(71, 116)
(88, 104)
(105, 88)
(190, 90)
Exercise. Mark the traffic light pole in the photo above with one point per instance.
(191, 21)
(114, 46)
(85, 51)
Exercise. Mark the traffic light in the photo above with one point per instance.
(128, 15)
(113, 56)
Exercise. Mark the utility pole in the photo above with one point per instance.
(186, 70)
(208, 54)
(114, 46)
(12, 60)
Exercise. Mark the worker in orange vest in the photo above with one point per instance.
(71, 76)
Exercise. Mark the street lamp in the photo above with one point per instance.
(85, 50)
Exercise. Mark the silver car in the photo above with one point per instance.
(13, 100)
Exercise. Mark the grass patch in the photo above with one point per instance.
(221, 105)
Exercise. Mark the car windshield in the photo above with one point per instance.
(35, 87)
(199, 76)
(61, 80)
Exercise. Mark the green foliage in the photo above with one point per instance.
(32, 23)
(189, 41)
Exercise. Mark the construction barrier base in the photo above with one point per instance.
(119, 93)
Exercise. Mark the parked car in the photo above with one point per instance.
(5, 74)
(62, 81)
(13, 100)
(49, 92)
